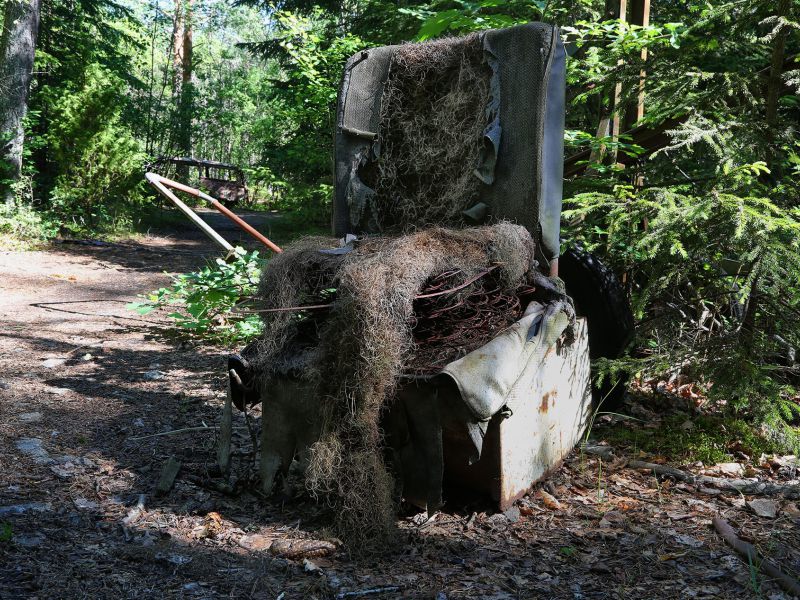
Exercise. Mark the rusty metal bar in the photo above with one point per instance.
(160, 182)
(241, 223)
(155, 181)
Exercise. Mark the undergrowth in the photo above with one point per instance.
(206, 303)
(21, 226)
(681, 437)
(713, 274)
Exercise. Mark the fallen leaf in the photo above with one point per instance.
(626, 504)
(676, 516)
(513, 514)
(549, 501)
(600, 567)
(611, 518)
(309, 566)
(212, 525)
(672, 556)
(687, 540)
(792, 510)
(84, 504)
(730, 469)
(255, 542)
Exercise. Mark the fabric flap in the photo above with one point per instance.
(486, 376)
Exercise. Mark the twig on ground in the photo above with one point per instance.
(378, 590)
(787, 582)
(176, 432)
(743, 486)
(75, 350)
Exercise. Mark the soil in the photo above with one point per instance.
(86, 386)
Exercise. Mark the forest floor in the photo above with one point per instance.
(85, 386)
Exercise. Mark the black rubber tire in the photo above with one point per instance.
(600, 297)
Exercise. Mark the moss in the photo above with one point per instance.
(685, 438)
(6, 532)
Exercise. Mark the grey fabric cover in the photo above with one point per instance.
(521, 165)
(486, 376)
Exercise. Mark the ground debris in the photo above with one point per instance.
(763, 507)
(50, 547)
(18, 509)
(303, 548)
(168, 474)
(790, 584)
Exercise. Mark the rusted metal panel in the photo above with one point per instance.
(550, 410)
(429, 444)
(545, 414)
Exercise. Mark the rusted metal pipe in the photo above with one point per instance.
(155, 181)
(159, 182)
(241, 223)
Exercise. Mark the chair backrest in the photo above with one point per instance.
(453, 132)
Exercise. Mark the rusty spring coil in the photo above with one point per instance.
(447, 327)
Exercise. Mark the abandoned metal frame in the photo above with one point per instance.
(162, 183)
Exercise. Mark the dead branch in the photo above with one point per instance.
(788, 583)
(742, 486)
(378, 590)
(175, 432)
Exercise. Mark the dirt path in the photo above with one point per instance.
(85, 384)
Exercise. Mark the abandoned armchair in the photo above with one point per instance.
(429, 345)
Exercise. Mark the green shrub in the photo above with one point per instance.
(20, 224)
(204, 302)
(99, 163)
(714, 275)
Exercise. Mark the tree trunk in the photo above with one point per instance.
(640, 15)
(614, 9)
(184, 89)
(17, 47)
(774, 91)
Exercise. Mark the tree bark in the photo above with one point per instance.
(183, 86)
(17, 47)
(614, 9)
(634, 112)
(774, 91)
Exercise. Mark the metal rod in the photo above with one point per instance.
(160, 182)
(155, 181)
(243, 224)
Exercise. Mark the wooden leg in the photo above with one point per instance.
(225, 431)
